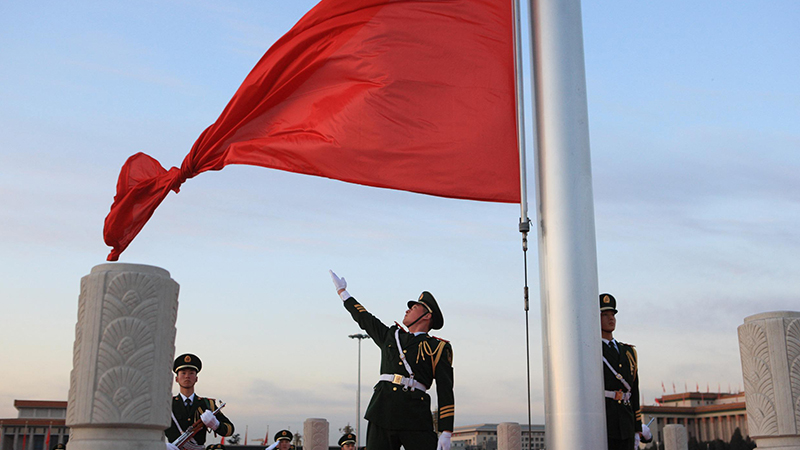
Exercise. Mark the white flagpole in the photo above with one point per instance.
(520, 97)
(573, 376)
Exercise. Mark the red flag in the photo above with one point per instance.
(673, 388)
(222, 441)
(47, 439)
(400, 94)
(663, 388)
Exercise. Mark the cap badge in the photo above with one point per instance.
(187, 358)
(606, 299)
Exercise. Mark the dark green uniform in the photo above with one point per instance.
(405, 414)
(187, 416)
(623, 415)
(623, 418)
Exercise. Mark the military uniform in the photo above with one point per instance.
(402, 405)
(623, 414)
(186, 416)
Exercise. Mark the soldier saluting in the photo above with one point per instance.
(621, 379)
(399, 412)
(188, 407)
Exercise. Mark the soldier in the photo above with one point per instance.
(348, 441)
(621, 379)
(187, 407)
(399, 412)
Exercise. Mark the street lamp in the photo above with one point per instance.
(360, 337)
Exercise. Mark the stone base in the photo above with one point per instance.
(675, 437)
(779, 443)
(115, 438)
(315, 434)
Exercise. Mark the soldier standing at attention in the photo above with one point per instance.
(399, 412)
(188, 407)
(621, 379)
(348, 441)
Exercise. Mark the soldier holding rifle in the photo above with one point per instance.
(189, 408)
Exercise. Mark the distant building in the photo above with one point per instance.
(484, 437)
(706, 416)
(34, 420)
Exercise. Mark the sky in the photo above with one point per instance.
(694, 118)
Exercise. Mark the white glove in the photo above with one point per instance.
(209, 420)
(171, 446)
(646, 433)
(272, 447)
(444, 441)
(341, 286)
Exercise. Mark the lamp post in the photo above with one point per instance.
(360, 337)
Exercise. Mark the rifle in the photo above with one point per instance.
(194, 429)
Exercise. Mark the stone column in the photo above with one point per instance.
(509, 436)
(769, 344)
(315, 434)
(675, 438)
(121, 380)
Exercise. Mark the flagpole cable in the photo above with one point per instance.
(524, 221)
(527, 327)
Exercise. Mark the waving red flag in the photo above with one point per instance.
(416, 95)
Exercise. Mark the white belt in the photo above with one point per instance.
(624, 397)
(404, 381)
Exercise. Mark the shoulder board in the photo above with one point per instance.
(176, 397)
(400, 326)
(439, 339)
(625, 343)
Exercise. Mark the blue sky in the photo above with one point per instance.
(693, 112)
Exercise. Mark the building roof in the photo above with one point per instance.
(33, 422)
(694, 410)
(703, 396)
(40, 404)
(493, 427)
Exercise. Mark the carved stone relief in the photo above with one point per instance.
(758, 386)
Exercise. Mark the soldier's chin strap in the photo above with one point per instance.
(418, 319)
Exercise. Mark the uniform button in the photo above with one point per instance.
(620, 365)
(405, 351)
(394, 388)
(400, 363)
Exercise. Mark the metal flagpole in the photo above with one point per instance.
(573, 376)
